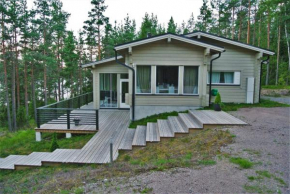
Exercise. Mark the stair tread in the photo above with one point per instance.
(152, 133)
(177, 125)
(8, 163)
(127, 141)
(140, 136)
(164, 128)
(34, 159)
(189, 121)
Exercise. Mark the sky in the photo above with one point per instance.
(118, 9)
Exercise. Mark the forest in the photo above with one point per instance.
(40, 58)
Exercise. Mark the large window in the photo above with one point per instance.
(167, 80)
(143, 79)
(190, 80)
(225, 78)
(108, 90)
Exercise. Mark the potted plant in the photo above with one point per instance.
(217, 102)
(77, 121)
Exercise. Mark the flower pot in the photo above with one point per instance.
(217, 107)
(77, 122)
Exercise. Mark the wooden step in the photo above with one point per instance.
(152, 133)
(164, 128)
(177, 125)
(190, 121)
(33, 159)
(127, 141)
(140, 136)
(8, 163)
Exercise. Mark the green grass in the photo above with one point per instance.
(23, 142)
(154, 118)
(242, 162)
(207, 162)
(235, 106)
(258, 189)
(276, 87)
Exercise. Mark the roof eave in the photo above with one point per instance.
(232, 42)
(90, 65)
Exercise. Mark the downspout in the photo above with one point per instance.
(133, 83)
(210, 77)
(261, 72)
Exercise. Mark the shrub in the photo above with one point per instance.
(218, 99)
(54, 144)
(243, 163)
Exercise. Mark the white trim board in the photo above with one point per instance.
(171, 36)
(100, 62)
(230, 42)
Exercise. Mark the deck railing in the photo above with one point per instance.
(68, 112)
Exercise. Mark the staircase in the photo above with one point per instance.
(97, 149)
(154, 132)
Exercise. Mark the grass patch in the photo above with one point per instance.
(154, 118)
(201, 146)
(258, 189)
(207, 162)
(235, 106)
(242, 162)
(23, 142)
(252, 152)
(273, 87)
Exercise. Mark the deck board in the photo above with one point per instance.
(152, 133)
(140, 136)
(164, 128)
(126, 143)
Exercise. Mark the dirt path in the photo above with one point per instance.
(285, 99)
(265, 142)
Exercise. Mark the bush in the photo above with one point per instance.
(218, 99)
(54, 144)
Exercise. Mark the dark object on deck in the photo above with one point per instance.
(77, 121)
(217, 107)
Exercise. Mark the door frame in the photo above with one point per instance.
(123, 105)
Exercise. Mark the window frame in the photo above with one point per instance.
(167, 94)
(198, 72)
(136, 69)
(226, 84)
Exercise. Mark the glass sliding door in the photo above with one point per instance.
(108, 90)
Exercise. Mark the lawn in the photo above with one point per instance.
(197, 149)
(23, 142)
(273, 87)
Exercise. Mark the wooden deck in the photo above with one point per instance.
(114, 129)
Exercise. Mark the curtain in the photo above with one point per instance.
(104, 81)
(229, 77)
(144, 79)
(216, 77)
(190, 80)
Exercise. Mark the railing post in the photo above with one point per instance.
(37, 118)
(86, 99)
(97, 119)
(68, 119)
(79, 102)
(111, 151)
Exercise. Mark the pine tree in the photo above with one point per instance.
(205, 17)
(172, 27)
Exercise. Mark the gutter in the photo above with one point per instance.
(210, 77)
(261, 72)
(133, 83)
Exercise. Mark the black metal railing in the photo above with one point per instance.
(68, 113)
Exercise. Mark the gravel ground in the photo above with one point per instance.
(285, 100)
(264, 141)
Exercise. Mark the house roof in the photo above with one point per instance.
(100, 62)
(171, 36)
(230, 41)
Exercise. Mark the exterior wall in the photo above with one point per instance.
(237, 59)
(165, 53)
(109, 67)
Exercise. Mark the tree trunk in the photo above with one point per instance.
(233, 23)
(240, 29)
(17, 71)
(288, 50)
(255, 20)
(249, 22)
(5, 75)
(45, 67)
(14, 122)
(25, 85)
(278, 54)
(33, 92)
(259, 39)
(268, 47)
(58, 69)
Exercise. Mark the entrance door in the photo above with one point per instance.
(124, 88)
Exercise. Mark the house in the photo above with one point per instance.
(172, 72)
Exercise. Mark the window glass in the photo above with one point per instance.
(167, 80)
(124, 76)
(190, 80)
(143, 79)
(222, 77)
(108, 90)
